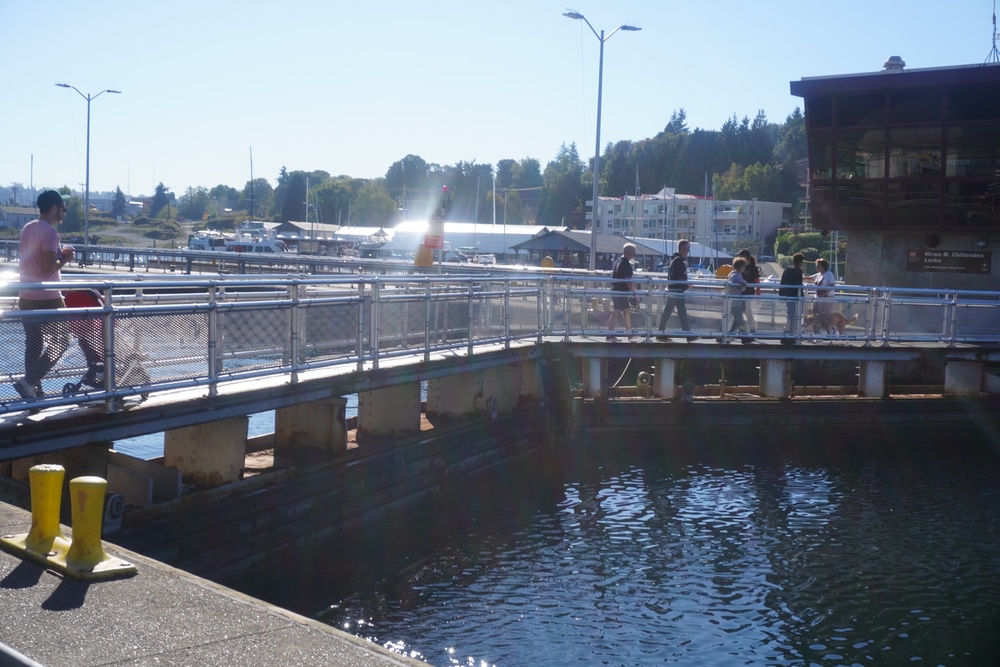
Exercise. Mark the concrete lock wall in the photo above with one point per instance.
(878, 257)
(208, 454)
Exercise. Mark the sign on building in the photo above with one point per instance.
(949, 261)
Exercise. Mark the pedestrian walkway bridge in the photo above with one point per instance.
(187, 350)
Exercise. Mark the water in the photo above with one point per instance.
(879, 555)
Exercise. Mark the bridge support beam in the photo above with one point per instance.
(963, 377)
(470, 393)
(872, 379)
(665, 382)
(210, 454)
(391, 410)
(532, 385)
(78, 462)
(502, 383)
(775, 378)
(319, 425)
(454, 395)
(593, 377)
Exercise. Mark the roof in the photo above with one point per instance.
(931, 77)
(560, 241)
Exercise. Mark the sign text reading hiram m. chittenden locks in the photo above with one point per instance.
(949, 261)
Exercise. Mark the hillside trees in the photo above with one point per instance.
(564, 193)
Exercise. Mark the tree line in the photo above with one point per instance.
(746, 158)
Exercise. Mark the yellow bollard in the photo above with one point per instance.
(86, 558)
(87, 504)
(45, 537)
(45, 540)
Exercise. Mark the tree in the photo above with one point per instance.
(405, 177)
(257, 199)
(119, 204)
(678, 123)
(195, 204)
(160, 200)
(374, 207)
(293, 203)
(563, 195)
(224, 196)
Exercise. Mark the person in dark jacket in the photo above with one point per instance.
(677, 275)
(622, 305)
(791, 290)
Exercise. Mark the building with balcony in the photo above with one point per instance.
(908, 161)
(724, 225)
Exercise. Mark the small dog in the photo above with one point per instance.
(829, 321)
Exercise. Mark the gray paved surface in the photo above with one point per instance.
(161, 616)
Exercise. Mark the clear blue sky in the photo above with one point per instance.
(350, 87)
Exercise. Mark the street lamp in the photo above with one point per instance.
(597, 150)
(86, 192)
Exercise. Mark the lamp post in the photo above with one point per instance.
(597, 150)
(86, 192)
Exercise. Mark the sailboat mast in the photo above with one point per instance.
(251, 182)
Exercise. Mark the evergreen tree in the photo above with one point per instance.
(119, 204)
(160, 200)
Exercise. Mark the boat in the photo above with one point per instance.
(207, 240)
(254, 237)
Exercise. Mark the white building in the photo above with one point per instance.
(724, 225)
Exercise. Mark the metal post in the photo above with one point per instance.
(597, 160)
(427, 319)
(108, 320)
(376, 333)
(293, 331)
(506, 313)
(471, 347)
(213, 343)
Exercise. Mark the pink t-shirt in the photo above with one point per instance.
(37, 237)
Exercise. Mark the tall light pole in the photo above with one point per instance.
(597, 150)
(86, 192)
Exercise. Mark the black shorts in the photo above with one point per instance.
(621, 302)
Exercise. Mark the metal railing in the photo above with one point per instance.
(148, 335)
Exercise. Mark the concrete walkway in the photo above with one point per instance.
(161, 616)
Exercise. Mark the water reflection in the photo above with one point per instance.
(641, 557)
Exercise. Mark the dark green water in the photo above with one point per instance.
(625, 553)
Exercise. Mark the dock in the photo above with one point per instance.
(160, 616)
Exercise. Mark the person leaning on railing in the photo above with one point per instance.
(40, 258)
(791, 290)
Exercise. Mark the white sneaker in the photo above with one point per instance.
(24, 389)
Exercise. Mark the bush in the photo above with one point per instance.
(165, 230)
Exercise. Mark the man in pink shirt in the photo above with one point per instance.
(40, 257)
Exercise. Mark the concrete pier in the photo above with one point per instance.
(161, 616)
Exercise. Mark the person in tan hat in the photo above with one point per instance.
(40, 258)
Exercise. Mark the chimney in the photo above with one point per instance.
(894, 64)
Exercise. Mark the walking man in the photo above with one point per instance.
(677, 274)
(40, 258)
(622, 274)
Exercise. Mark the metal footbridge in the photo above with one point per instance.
(160, 352)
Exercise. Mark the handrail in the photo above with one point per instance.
(157, 335)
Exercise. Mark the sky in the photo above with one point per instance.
(351, 86)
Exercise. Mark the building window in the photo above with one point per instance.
(915, 107)
(863, 109)
(915, 152)
(974, 103)
(861, 154)
(972, 151)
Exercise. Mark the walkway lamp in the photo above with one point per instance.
(86, 192)
(597, 150)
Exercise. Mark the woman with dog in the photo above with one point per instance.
(825, 282)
